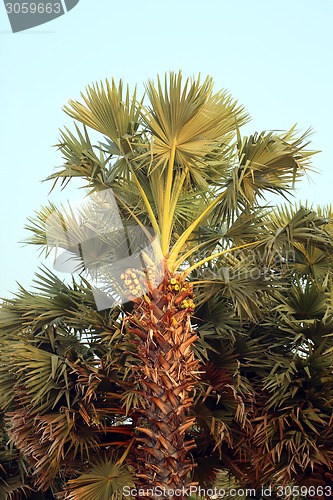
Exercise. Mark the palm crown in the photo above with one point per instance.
(222, 361)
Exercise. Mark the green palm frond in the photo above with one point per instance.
(288, 227)
(55, 302)
(239, 279)
(105, 480)
(45, 377)
(189, 118)
(270, 162)
(304, 300)
(80, 159)
(311, 261)
(110, 111)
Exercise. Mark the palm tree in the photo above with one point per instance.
(219, 325)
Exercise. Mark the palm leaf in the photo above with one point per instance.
(105, 480)
(108, 111)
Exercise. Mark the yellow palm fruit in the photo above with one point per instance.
(173, 281)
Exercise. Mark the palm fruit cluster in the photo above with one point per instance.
(184, 291)
(137, 283)
(152, 275)
(132, 283)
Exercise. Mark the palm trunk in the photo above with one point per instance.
(165, 376)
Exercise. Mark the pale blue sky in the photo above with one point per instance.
(274, 57)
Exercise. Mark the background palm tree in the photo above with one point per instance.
(220, 357)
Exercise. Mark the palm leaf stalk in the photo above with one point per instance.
(170, 387)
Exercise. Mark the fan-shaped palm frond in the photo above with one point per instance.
(105, 480)
(108, 111)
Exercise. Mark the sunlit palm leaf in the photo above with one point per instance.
(190, 118)
(108, 110)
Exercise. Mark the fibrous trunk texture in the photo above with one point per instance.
(165, 376)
